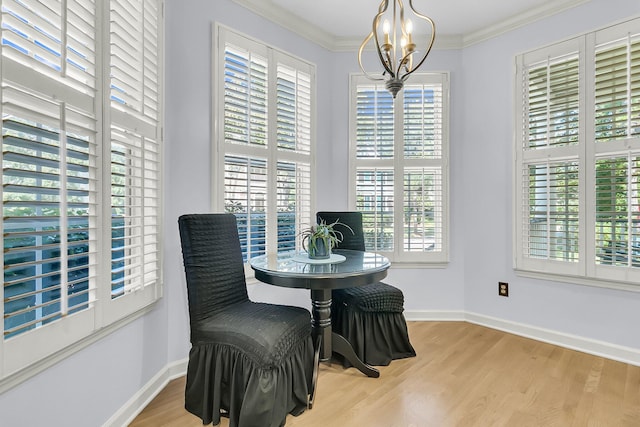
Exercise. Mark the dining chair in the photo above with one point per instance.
(249, 361)
(370, 317)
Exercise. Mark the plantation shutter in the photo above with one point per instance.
(246, 125)
(245, 195)
(399, 161)
(265, 143)
(49, 127)
(578, 155)
(617, 172)
(134, 151)
(423, 154)
(293, 181)
(81, 113)
(551, 170)
(375, 199)
(375, 186)
(617, 91)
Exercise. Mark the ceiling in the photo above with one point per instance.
(343, 24)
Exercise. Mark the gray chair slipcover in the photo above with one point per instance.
(252, 362)
(370, 317)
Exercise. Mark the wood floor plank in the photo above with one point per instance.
(465, 375)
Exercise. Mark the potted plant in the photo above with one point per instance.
(319, 239)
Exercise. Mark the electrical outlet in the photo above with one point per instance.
(503, 289)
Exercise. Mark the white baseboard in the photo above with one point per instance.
(145, 395)
(574, 342)
(586, 345)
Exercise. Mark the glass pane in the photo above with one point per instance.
(294, 110)
(422, 227)
(287, 204)
(245, 97)
(617, 114)
(55, 42)
(41, 283)
(553, 103)
(552, 218)
(245, 196)
(423, 121)
(134, 85)
(375, 199)
(374, 122)
(617, 211)
(127, 212)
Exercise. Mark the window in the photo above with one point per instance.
(81, 171)
(264, 142)
(399, 167)
(578, 156)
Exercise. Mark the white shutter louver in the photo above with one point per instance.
(49, 158)
(266, 103)
(399, 154)
(374, 122)
(135, 152)
(550, 180)
(578, 213)
(423, 192)
(422, 121)
(134, 58)
(617, 96)
(422, 226)
(553, 103)
(617, 207)
(79, 144)
(375, 199)
(294, 110)
(245, 195)
(552, 211)
(245, 97)
(56, 41)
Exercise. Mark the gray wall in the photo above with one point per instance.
(89, 387)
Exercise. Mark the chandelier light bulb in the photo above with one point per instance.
(386, 27)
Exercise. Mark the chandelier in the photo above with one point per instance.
(396, 52)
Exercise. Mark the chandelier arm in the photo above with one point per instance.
(433, 37)
(369, 76)
(374, 33)
(402, 22)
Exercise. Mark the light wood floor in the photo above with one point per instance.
(464, 375)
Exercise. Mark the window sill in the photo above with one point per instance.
(32, 370)
(580, 280)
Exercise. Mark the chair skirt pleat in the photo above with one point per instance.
(223, 381)
(377, 338)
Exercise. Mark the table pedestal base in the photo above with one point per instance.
(344, 348)
(329, 341)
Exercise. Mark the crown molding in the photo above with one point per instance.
(288, 20)
(317, 35)
(520, 20)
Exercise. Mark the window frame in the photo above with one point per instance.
(588, 269)
(271, 153)
(28, 353)
(399, 257)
